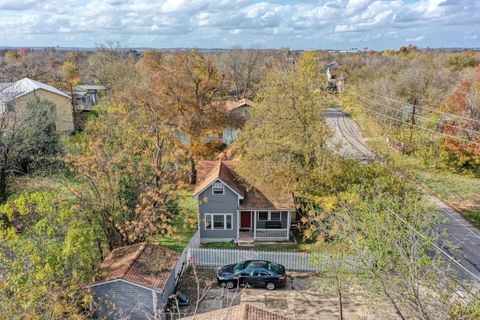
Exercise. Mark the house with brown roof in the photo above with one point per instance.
(135, 282)
(238, 113)
(232, 207)
(242, 311)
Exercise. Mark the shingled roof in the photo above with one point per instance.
(254, 196)
(210, 171)
(243, 311)
(144, 264)
(232, 105)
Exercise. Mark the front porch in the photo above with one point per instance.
(264, 225)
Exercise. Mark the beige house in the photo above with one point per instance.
(14, 97)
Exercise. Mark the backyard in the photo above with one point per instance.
(184, 224)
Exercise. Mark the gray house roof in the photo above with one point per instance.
(22, 87)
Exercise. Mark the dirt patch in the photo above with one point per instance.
(200, 286)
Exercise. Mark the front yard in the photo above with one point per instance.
(307, 296)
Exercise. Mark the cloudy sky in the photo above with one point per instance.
(300, 24)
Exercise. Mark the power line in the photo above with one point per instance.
(420, 127)
(426, 108)
(442, 251)
(417, 116)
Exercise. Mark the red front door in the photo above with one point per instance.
(245, 220)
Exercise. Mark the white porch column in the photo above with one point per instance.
(239, 217)
(288, 224)
(254, 225)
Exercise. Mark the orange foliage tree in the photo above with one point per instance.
(182, 91)
(464, 154)
(129, 176)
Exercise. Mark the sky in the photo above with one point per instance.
(301, 24)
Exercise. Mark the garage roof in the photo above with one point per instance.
(144, 264)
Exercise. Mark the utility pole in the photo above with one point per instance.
(412, 119)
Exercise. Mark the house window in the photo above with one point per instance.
(218, 221)
(228, 221)
(217, 188)
(10, 107)
(275, 215)
(208, 222)
(263, 215)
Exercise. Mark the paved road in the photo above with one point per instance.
(347, 136)
(464, 238)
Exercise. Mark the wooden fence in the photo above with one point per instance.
(293, 261)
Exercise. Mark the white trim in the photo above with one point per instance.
(196, 194)
(213, 189)
(288, 223)
(206, 240)
(269, 214)
(154, 302)
(224, 221)
(239, 214)
(255, 224)
(126, 281)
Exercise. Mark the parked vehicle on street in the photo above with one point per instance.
(253, 273)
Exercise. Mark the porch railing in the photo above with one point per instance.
(271, 234)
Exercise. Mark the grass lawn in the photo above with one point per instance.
(185, 223)
(59, 182)
(219, 245)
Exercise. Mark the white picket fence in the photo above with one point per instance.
(293, 261)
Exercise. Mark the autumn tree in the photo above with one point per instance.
(71, 76)
(129, 171)
(244, 69)
(463, 154)
(285, 139)
(112, 66)
(184, 92)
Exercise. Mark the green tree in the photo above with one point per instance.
(26, 140)
(129, 174)
(285, 139)
(48, 256)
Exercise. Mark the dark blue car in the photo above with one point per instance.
(254, 273)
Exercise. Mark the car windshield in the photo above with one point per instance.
(238, 267)
(278, 269)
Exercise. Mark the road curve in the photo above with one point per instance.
(464, 238)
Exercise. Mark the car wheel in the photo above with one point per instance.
(230, 285)
(270, 286)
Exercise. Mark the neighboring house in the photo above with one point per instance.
(242, 311)
(87, 96)
(238, 113)
(232, 208)
(334, 77)
(135, 282)
(14, 97)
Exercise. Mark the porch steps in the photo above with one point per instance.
(245, 240)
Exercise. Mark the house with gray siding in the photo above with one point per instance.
(135, 282)
(231, 207)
